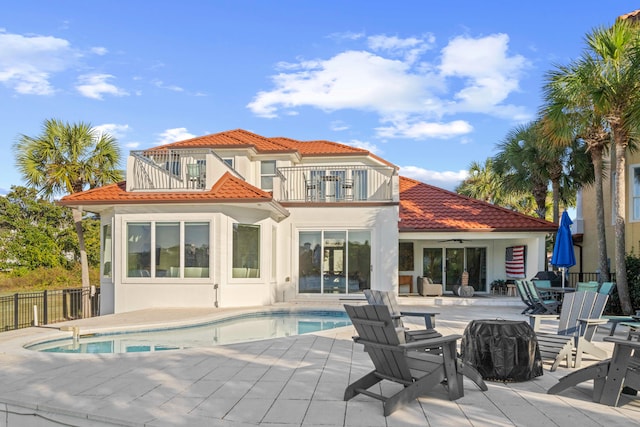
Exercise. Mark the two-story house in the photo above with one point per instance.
(238, 219)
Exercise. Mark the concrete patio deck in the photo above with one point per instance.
(293, 381)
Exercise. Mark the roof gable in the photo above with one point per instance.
(424, 207)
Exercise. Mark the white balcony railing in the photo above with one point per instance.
(344, 183)
(183, 169)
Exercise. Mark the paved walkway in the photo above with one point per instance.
(293, 381)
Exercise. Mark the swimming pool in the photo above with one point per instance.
(233, 329)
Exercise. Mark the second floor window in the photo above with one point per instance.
(635, 173)
(267, 172)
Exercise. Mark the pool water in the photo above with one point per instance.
(234, 329)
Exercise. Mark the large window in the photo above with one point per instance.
(181, 249)
(246, 251)
(107, 250)
(139, 249)
(334, 261)
(196, 249)
(167, 249)
(267, 172)
(635, 173)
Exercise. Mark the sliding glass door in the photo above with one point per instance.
(446, 265)
(334, 262)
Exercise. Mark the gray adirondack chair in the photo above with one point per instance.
(388, 299)
(611, 375)
(398, 361)
(580, 315)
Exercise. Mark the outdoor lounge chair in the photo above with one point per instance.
(607, 288)
(587, 286)
(397, 361)
(579, 317)
(543, 301)
(609, 376)
(388, 299)
(524, 296)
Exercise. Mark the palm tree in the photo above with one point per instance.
(523, 166)
(484, 183)
(65, 159)
(613, 61)
(570, 115)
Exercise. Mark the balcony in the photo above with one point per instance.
(182, 170)
(328, 184)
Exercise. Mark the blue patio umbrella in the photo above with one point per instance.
(563, 255)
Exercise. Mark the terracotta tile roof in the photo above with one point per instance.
(324, 148)
(319, 148)
(240, 138)
(424, 207)
(228, 189)
(632, 16)
(237, 138)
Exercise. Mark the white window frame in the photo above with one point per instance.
(268, 175)
(633, 197)
(261, 266)
(152, 273)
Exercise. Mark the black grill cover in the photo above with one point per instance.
(502, 350)
(549, 275)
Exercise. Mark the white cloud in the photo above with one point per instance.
(347, 35)
(489, 74)
(410, 48)
(27, 62)
(115, 130)
(96, 85)
(352, 79)
(338, 125)
(99, 50)
(174, 135)
(448, 180)
(410, 92)
(160, 84)
(423, 130)
(364, 145)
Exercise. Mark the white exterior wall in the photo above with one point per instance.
(382, 221)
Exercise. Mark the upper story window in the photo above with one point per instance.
(635, 192)
(267, 172)
(229, 162)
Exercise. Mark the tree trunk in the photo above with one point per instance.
(84, 263)
(620, 207)
(596, 157)
(555, 191)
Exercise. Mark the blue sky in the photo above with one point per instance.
(430, 86)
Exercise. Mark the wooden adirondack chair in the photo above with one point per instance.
(397, 361)
(609, 376)
(580, 315)
(388, 298)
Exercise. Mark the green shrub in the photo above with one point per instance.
(633, 279)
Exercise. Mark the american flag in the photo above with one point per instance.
(514, 262)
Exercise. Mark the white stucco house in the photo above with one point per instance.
(237, 219)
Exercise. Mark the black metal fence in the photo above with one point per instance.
(21, 309)
(574, 278)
